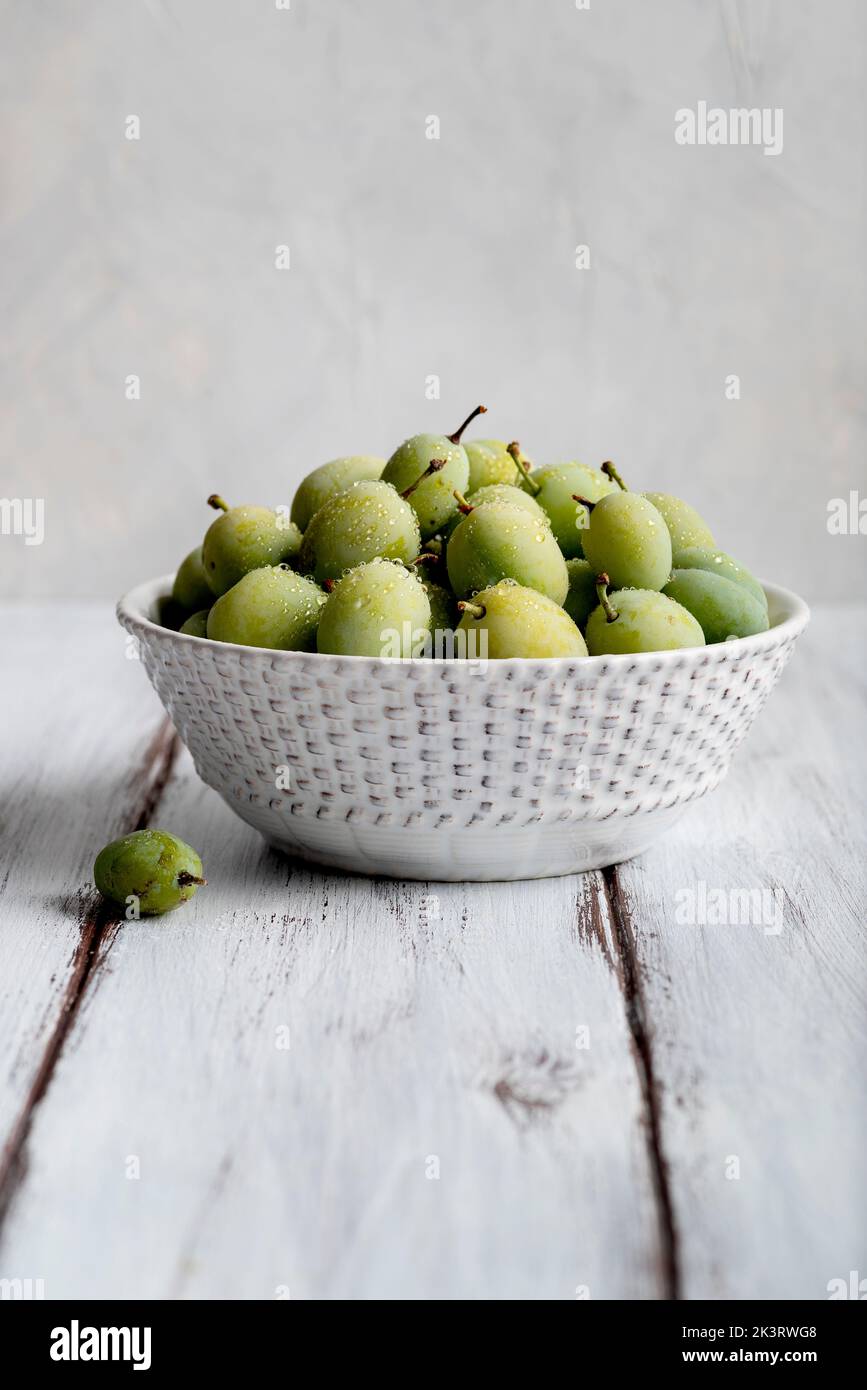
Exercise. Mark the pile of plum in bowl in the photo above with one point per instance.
(455, 665)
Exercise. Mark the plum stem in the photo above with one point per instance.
(611, 472)
(602, 582)
(456, 437)
(523, 467)
(216, 501)
(585, 501)
(185, 879)
(433, 467)
(328, 585)
(475, 610)
(463, 505)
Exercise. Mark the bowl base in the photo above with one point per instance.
(472, 855)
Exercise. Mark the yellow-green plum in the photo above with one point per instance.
(367, 521)
(245, 538)
(504, 492)
(495, 492)
(628, 539)
(191, 588)
(582, 597)
(379, 609)
(555, 490)
(490, 463)
(329, 479)
(272, 607)
(685, 526)
(427, 470)
(196, 624)
(509, 620)
(501, 541)
(155, 869)
(639, 620)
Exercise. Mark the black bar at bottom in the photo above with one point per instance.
(163, 1338)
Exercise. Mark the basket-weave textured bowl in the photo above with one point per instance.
(460, 770)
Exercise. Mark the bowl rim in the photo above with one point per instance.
(132, 611)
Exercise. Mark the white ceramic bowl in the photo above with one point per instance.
(461, 770)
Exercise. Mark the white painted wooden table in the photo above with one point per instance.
(541, 1090)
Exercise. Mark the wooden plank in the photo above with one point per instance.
(87, 749)
(758, 1031)
(430, 1029)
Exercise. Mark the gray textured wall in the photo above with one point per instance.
(412, 257)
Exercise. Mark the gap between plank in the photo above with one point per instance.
(98, 932)
(636, 1018)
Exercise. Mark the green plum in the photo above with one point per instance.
(490, 463)
(427, 469)
(501, 541)
(718, 562)
(196, 624)
(367, 521)
(581, 598)
(329, 479)
(244, 539)
(722, 607)
(628, 539)
(509, 620)
(378, 609)
(495, 492)
(191, 588)
(556, 490)
(154, 868)
(639, 620)
(272, 607)
(504, 492)
(685, 526)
